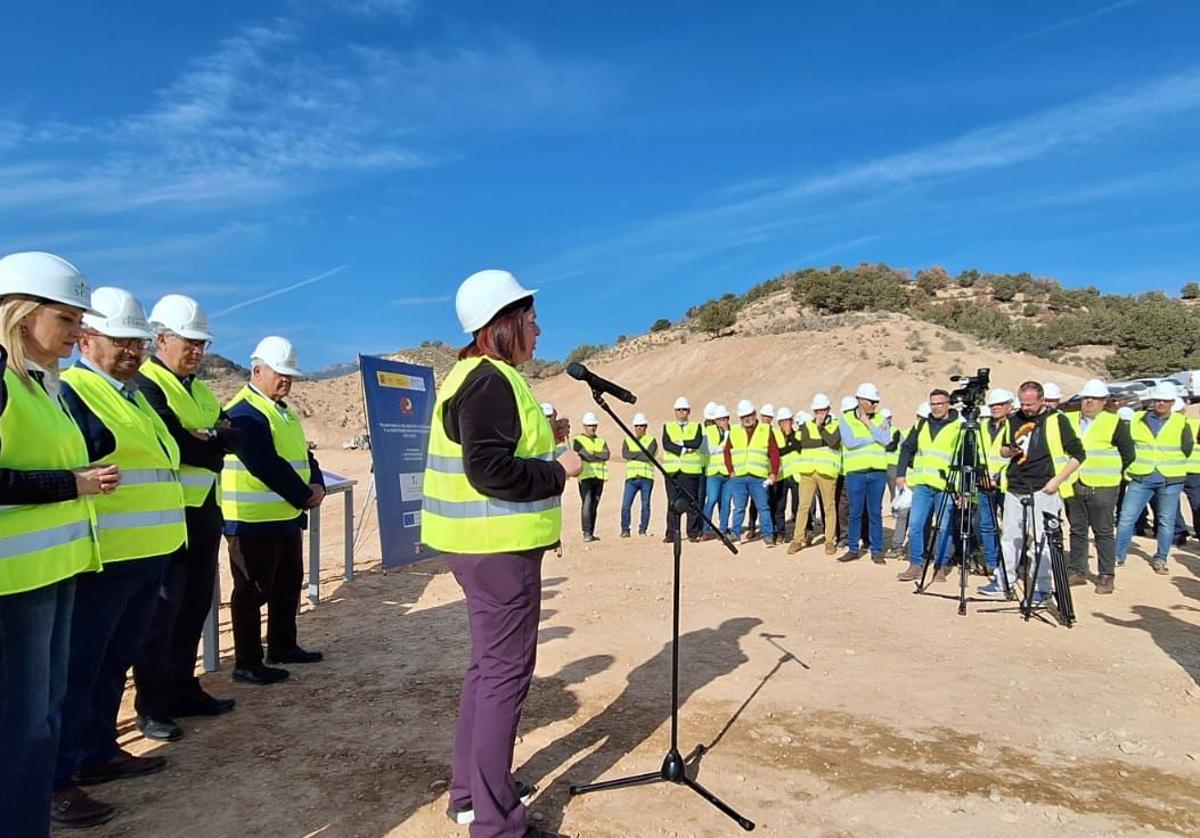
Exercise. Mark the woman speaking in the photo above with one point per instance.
(492, 489)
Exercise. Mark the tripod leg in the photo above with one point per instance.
(743, 822)
(621, 783)
(1036, 561)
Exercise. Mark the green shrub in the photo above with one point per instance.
(660, 325)
(582, 352)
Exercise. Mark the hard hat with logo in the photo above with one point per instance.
(278, 354)
(1051, 391)
(119, 314)
(784, 414)
(1094, 389)
(867, 391)
(483, 294)
(923, 410)
(720, 412)
(849, 404)
(639, 419)
(767, 409)
(1163, 391)
(45, 276)
(682, 403)
(998, 395)
(180, 315)
(820, 402)
(745, 408)
(547, 409)
(589, 418)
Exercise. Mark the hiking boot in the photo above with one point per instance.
(1104, 584)
(1160, 568)
(73, 809)
(910, 574)
(831, 549)
(1075, 578)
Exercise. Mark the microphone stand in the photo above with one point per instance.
(673, 769)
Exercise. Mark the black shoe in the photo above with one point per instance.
(296, 655)
(203, 705)
(160, 728)
(259, 674)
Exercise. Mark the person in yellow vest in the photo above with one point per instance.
(1163, 443)
(639, 476)
(893, 452)
(46, 520)
(492, 504)
(683, 462)
(165, 673)
(1043, 451)
(1094, 488)
(865, 437)
(138, 527)
(752, 457)
(1191, 486)
(594, 453)
(766, 416)
(924, 468)
(787, 488)
(716, 473)
(818, 443)
(267, 486)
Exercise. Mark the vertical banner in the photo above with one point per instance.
(399, 399)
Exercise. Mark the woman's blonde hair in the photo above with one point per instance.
(13, 310)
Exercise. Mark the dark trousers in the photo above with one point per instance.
(112, 612)
(843, 508)
(590, 490)
(504, 598)
(1092, 508)
(35, 634)
(675, 485)
(267, 570)
(165, 673)
(785, 488)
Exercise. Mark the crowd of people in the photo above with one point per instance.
(118, 478)
(817, 475)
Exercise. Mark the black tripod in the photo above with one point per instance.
(673, 768)
(1051, 540)
(963, 493)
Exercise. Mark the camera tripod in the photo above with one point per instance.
(1051, 540)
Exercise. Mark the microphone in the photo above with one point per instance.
(582, 373)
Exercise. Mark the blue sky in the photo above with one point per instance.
(628, 159)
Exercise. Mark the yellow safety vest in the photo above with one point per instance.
(245, 498)
(931, 462)
(823, 460)
(870, 457)
(1102, 467)
(751, 455)
(593, 445)
(42, 543)
(1194, 460)
(690, 461)
(196, 410)
(455, 516)
(638, 469)
(789, 463)
(1162, 453)
(144, 516)
(715, 463)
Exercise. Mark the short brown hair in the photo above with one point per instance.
(1033, 385)
(503, 335)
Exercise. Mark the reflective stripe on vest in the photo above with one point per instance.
(456, 517)
(931, 463)
(1162, 453)
(690, 461)
(638, 469)
(823, 460)
(715, 463)
(597, 470)
(1102, 466)
(751, 455)
(245, 498)
(144, 516)
(869, 457)
(789, 463)
(41, 543)
(197, 409)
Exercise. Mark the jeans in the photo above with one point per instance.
(985, 523)
(590, 489)
(1092, 508)
(742, 489)
(927, 503)
(716, 494)
(1166, 507)
(635, 486)
(35, 632)
(865, 489)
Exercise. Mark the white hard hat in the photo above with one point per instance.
(849, 404)
(589, 418)
(180, 315)
(639, 419)
(820, 402)
(720, 412)
(745, 408)
(1179, 406)
(923, 410)
(547, 409)
(887, 413)
(708, 410)
(119, 315)
(278, 354)
(44, 275)
(767, 409)
(1163, 391)
(1125, 413)
(1050, 390)
(999, 395)
(804, 416)
(483, 294)
(867, 391)
(1094, 389)
(784, 414)
(682, 403)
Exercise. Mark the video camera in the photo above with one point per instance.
(974, 388)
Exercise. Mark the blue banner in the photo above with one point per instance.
(399, 399)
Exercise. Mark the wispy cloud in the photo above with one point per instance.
(278, 291)
(404, 9)
(1067, 23)
(419, 301)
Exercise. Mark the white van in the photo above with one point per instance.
(1189, 379)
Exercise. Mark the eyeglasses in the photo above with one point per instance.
(192, 343)
(138, 344)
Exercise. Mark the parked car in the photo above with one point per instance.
(1189, 379)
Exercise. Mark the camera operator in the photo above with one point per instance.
(925, 458)
(1043, 451)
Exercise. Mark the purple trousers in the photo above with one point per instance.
(504, 598)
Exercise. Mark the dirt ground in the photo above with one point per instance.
(832, 700)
